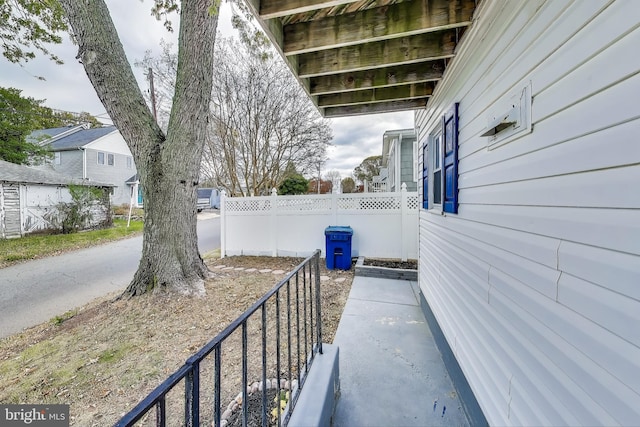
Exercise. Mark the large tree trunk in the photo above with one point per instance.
(168, 166)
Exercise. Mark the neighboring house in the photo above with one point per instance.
(399, 160)
(208, 198)
(94, 155)
(135, 191)
(529, 230)
(29, 199)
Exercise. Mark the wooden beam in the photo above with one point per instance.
(412, 91)
(382, 107)
(379, 77)
(270, 9)
(406, 50)
(381, 23)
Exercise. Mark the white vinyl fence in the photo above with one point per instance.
(385, 225)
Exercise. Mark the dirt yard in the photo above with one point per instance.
(103, 358)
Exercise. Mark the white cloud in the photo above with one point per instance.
(356, 138)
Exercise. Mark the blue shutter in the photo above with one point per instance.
(425, 177)
(450, 160)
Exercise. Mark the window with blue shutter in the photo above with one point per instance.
(425, 176)
(450, 160)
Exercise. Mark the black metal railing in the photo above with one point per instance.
(302, 340)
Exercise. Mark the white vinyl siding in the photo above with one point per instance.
(535, 281)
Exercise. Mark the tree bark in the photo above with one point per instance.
(168, 165)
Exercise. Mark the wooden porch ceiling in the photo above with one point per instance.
(367, 56)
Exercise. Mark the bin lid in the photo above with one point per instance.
(338, 229)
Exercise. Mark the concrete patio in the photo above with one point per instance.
(391, 371)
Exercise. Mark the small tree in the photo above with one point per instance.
(77, 214)
(295, 184)
(348, 185)
(369, 168)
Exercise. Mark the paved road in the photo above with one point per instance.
(36, 291)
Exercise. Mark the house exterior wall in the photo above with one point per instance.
(116, 174)
(534, 282)
(9, 210)
(27, 208)
(70, 163)
(400, 161)
(406, 164)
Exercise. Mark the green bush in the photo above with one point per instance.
(76, 215)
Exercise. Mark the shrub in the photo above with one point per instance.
(77, 214)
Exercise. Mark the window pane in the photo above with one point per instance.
(449, 131)
(100, 158)
(437, 187)
(110, 159)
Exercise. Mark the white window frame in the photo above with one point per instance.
(111, 159)
(391, 166)
(103, 158)
(434, 166)
(416, 156)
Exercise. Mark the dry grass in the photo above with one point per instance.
(103, 358)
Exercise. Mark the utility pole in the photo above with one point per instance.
(153, 94)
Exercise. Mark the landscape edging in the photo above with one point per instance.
(384, 272)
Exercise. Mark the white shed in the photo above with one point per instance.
(28, 199)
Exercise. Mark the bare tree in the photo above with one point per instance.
(164, 68)
(334, 177)
(262, 122)
(168, 163)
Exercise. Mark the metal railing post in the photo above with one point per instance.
(318, 302)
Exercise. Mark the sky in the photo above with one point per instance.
(68, 88)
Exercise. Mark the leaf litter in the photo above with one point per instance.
(111, 353)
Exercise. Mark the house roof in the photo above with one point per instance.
(366, 56)
(69, 138)
(10, 172)
(133, 179)
(44, 134)
(388, 136)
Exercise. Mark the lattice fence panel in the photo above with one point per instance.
(247, 205)
(374, 203)
(303, 205)
(413, 202)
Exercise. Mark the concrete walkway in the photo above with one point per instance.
(391, 372)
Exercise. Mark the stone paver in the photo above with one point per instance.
(239, 269)
(251, 270)
(277, 272)
(265, 270)
(340, 279)
(218, 267)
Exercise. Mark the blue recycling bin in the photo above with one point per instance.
(338, 247)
